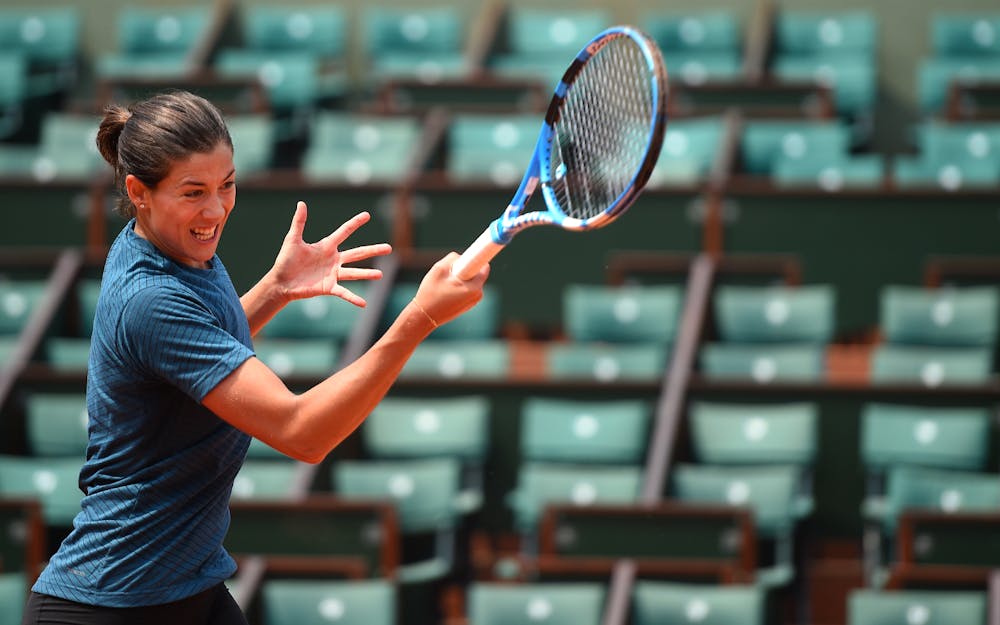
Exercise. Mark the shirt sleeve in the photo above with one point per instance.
(173, 336)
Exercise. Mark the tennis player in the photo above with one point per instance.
(174, 391)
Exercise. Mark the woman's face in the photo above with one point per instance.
(186, 212)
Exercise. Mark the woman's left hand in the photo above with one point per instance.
(309, 269)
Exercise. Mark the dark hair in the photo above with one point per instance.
(149, 136)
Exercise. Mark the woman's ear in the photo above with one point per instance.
(137, 191)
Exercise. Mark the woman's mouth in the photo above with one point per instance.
(204, 234)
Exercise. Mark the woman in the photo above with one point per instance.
(174, 391)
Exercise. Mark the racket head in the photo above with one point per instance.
(601, 137)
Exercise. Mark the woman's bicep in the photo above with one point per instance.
(254, 399)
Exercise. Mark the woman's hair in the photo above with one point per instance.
(148, 137)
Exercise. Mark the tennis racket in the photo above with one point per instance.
(599, 142)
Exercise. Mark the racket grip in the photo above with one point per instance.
(477, 255)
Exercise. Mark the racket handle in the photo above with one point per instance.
(477, 255)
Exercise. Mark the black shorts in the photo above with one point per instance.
(214, 606)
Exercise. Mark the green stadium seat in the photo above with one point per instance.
(606, 362)
(70, 354)
(49, 40)
(13, 93)
(697, 45)
(541, 42)
(456, 359)
(57, 424)
(428, 497)
(416, 427)
(155, 41)
(253, 143)
(770, 491)
(495, 148)
(948, 316)
(852, 79)
(906, 607)
(555, 603)
(52, 481)
(13, 595)
(763, 363)
(932, 436)
(315, 318)
(931, 366)
(807, 32)
(867, 171)
(68, 148)
(259, 450)
(689, 150)
(290, 357)
(656, 602)
(959, 141)
(933, 489)
(290, 78)
(741, 433)
(265, 479)
(321, 602)
(765, 142)
(936, 74)
(965, 33)
(567, 430)
(320, 31)
(424, 490)
(542, 483)
(358, 150)
(769, 314)
(621, 314)
(423, 43)
(18, 298)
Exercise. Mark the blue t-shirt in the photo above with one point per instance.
(160, 466)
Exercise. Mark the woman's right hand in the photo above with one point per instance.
(444, 296)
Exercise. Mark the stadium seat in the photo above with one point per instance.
(53, 481)
(68, 148)
(575, 431)
(155, 41)
(541, 42)
(697, 45)
(493, 148)
(265, 479)
(775, 314)
(320, 31)
(358, 150)
(427, 495)
(867, 171)
(418, 427)
(291, 357)
(927, 607)
(965, 33)
(933, 489)
(949, 316)
(320, 602)
(13, 93)
(253, 143)
(689, 150)
(315, 318)
(670, 602)
(541, 483)
(57, 424)
(742, 433)
(423, 43)
(49, 41)
(931, 366)
(931, 436)
(18, 298)
(768, 141)
(457, 359)
(763, 363)
(13, 595)
(566, 603)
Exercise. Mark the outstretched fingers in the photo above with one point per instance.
(298, 226)
(346, 229)
(364, 252)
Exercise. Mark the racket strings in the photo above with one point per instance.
(603, 131)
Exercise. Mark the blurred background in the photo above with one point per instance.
(767, 395)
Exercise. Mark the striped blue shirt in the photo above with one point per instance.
(160, 466)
